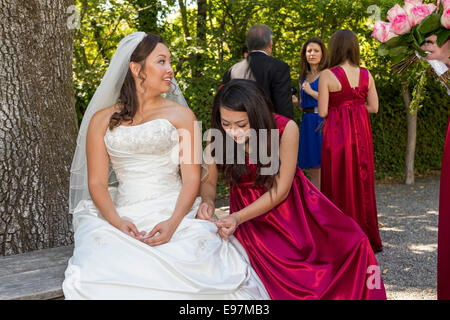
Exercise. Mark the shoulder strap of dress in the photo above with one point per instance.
(341, 76)
(363, 77)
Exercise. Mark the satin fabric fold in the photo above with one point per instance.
(443, 264)
(348, 173)
(306, 248)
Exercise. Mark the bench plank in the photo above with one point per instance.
(34, 275)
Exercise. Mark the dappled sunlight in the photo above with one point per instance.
(408, 220)
(394, 293)
(416, 217)
(431, 229)
(392, 229)
(422, 248)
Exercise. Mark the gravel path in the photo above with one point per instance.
(408, 217)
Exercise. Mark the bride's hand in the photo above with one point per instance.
(228, 225)
(165, 228)
(205, 211)
(128, 228)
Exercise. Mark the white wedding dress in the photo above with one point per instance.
(195, 264)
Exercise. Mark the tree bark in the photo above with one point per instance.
(38, 124)
(411, 136)
(184, 21)
(201, 22)
(201, 37)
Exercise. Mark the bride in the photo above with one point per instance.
(140, 239)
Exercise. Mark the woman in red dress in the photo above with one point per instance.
(300, 244)
(435, 55)
(443, 272)
(347, 95)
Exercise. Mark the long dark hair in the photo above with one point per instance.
(304, 65)
(244, 96)
(128, 97)
(343, 45)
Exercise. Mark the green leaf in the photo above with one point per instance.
(440, 9)
(442, 36)
(415, 43)
(403, 50)
(418, 37)
(383, 50)
(429, 24)
(399, 58)
(398, 41)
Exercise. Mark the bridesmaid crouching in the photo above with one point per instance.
(300, 244)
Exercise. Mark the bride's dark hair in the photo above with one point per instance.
(128, 97)
(244, 96)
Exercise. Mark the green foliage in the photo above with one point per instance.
(389, 128)
(103, 25)
(417, 95)
(206, 43)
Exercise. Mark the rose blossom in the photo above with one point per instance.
(394, 12)
(382, 31)
(401, 25)
(445, 18)
(417, 13)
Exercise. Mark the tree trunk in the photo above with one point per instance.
(38, 125)
(411, 136)
(201, 22)
(201, 37)
(184, 21)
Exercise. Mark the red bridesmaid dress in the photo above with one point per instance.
(305, 247)
(443, 264)
(348, 174)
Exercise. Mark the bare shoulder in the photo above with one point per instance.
(371, 79)
(325, 74)
(181, 116)
(291, 128)
(291, 135)
(100, 119)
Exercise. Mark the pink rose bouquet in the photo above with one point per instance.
(407, 29)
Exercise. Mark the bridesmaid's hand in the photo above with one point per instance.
(165, 228)
(206, 211)
(228, 225)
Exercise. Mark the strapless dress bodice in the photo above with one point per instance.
(145, 160)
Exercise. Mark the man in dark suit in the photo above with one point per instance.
(271, 74)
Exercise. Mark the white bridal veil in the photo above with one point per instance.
(106, 95)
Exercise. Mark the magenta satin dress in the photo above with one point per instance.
(305, 248)
(348, 174)
(443, 264)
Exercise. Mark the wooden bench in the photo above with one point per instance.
(38, 275)
(35, 275)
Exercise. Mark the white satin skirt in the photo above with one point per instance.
(195, 264)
